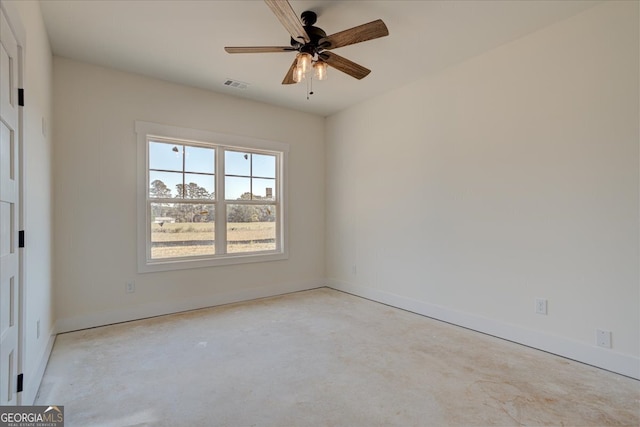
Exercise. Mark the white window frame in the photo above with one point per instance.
(147, 131)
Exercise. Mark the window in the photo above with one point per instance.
(208, 199)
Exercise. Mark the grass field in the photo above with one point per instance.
(182, 239)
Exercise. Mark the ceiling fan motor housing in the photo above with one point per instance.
(315, 34)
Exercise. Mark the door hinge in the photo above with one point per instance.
(20, 383)
(21, 239)
(21, 97)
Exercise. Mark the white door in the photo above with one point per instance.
(9, 197)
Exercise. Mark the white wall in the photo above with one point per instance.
(467, 194)
(95, 187)
(38, 277)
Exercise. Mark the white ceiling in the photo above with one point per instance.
(182, 41)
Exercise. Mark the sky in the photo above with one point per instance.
(248, 169)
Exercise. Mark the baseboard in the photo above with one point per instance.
(590, 354)
(33, 379)
(161, 308)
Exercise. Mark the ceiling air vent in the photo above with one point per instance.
(236, 84)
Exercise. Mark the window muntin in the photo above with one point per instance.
(208, 201)
(187, 171)
(250, 176)
(250, 189)
(182, 226)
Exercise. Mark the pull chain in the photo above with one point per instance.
(309, 87)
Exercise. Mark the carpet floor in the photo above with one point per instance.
(321, 358)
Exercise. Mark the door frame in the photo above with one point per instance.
(13, 18)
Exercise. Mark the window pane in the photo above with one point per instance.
(199, 159)
(199, 186)
(264, 166)
(237, 163)
(164, 184)
(165, 156)
(264, 188)
(251, 228)
(235, 188)
(181, 230)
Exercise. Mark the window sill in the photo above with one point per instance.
(184, 264)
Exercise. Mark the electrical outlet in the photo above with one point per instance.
(603, 338)
(130, 287)
(541, 306)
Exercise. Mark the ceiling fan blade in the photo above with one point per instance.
(345, 65)
(259, 49)
(361, 33)
(288, 79)
(288, 18)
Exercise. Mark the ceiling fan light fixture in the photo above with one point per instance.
(320, 68)
(304, 61)
(313, 45)
(298, 74)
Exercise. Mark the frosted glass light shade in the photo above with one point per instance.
(298, 74)
(304, 62)
(320, 70)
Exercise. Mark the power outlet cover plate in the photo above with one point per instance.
(603, 338)
(541, 306)
(130, 287)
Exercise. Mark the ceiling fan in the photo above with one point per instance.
(314, 46)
